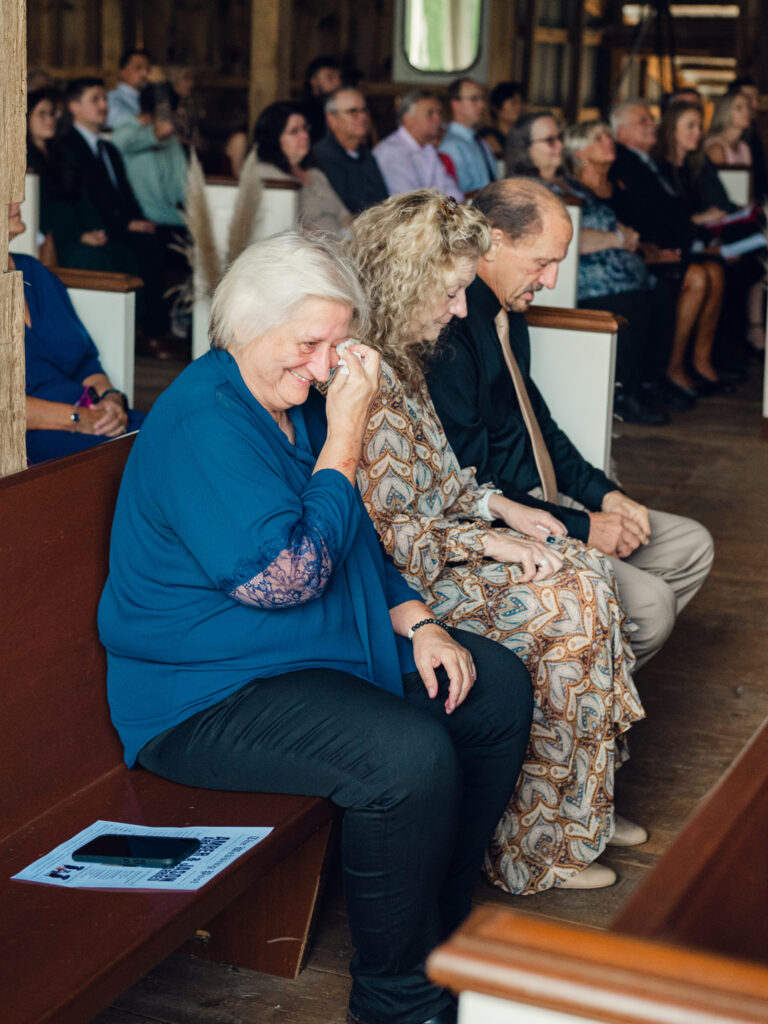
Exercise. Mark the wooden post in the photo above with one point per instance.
(13, 100)
(111, 33)
(502, 38)
(529, 44)
(269, 77)
(577, 20)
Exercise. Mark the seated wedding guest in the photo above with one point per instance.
(681, 159)
(507, 104)
(660, 559)
(133, 74)
(549, 599)
(342, 154)
(647, 201)
(323, 77)
(746, 86)
(281, 138)
(611, 273)
(186, 116)
(154, 159)
(258, 639)
(41, 127)
(731, 119)
(53, 176)
(472, 158)
(71, 404)
(408, 158)
(105, 228)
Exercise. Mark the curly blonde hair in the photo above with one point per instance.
(401, 249)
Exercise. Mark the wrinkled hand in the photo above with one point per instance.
(113, 419)
(350, 396)
(537, 560)
(433, 647)
(653, 254)
(95, 238)
(533, 522)
(615, 501)
(143, 227)
(163, 130)
(631, 237)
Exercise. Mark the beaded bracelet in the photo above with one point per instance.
(426, 622)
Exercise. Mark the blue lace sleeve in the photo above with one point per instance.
(298, 572)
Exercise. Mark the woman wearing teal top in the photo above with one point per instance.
(258, 639)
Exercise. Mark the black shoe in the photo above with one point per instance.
(630, 409)
(665, 395)
(706, 387)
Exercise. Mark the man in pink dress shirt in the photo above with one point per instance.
(408, 157)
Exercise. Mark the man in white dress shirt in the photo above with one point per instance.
(408, 158)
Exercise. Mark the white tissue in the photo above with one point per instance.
(343, 368)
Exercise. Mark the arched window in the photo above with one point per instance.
(439, 39)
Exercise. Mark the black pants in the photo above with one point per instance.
(422, 792)
(642, 346)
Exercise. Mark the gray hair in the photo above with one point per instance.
(408, 101)
(577, 136)
(619, 111)
(331, 106)
(722, 112)
(271, 279)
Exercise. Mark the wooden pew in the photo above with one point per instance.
(65, 954)
(736, 179)
(30, 214)
(689, 947)
(279, 211)
(106, 303)
(573, 360)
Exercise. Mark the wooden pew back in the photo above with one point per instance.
(573, 359)
(30, 214)
(55, 733)
(563, 295)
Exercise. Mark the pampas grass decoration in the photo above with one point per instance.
(246, 207)
(202, 256)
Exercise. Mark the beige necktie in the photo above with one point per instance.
(540, 453)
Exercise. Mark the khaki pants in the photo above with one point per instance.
(658, 580)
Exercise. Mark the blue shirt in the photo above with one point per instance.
(123, 103)
(58, 351)
(472, 158)
(231, 561)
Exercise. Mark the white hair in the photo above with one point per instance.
(619, 112)
(270, 279)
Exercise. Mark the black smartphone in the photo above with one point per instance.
(137, 851)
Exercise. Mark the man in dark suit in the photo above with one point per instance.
(105, 210)
(343, 156)
(642, 198)
(660, 560)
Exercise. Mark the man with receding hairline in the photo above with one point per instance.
(408, 158)
(660, 559)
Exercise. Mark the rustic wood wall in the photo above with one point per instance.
(12, 162)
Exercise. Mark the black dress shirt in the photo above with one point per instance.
(357, 180)
(475, 399)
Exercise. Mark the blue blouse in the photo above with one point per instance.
(609, 271)
(59, 353)
(231, 561)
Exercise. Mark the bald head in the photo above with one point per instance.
(531, 231)
(518, 206)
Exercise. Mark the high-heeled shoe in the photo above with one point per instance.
(680, 389)
(706, 387)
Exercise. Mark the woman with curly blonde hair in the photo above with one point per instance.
(552, 602)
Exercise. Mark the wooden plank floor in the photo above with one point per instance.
(704, 694)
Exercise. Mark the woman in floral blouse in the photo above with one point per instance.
(551, 599)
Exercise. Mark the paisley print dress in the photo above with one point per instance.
(568, 629)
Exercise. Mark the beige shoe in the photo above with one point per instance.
(594, 876)
(627, 833)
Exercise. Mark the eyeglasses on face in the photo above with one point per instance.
(549, 140)
(353, 111)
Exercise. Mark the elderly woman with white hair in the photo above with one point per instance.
(258, 639)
